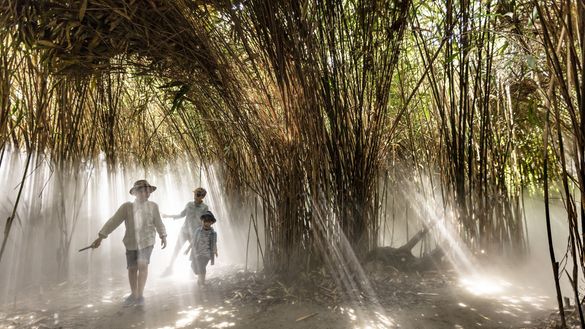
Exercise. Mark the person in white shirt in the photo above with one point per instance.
(142, 220)
(192, 213)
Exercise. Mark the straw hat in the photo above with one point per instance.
(200, 190)
(140, 184)
(208, 215)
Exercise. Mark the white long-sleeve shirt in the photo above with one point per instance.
(141, 220)
(192, 214)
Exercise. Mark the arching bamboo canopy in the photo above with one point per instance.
(339, 118)
(307, 104)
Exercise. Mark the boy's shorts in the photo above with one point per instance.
(134, 256)
(199, 264)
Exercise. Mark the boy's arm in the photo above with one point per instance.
(111, 225)
(160, 227)
(215, 244)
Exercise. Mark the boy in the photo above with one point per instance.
(140, 218)
(204, 247)
(192, 213)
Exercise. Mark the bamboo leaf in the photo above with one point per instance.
(452, 58)
(179, 97)
(82, 10)
(172, 84)
(503, 48)
(531, 61)
(94, 41)
(47, 43)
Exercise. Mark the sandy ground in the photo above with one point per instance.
(235, 299)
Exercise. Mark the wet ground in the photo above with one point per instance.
(238, 299)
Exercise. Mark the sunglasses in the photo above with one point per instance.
(199, 194)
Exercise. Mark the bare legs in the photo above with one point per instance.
(133, 278)
(178, 246)
(142, 276)
(137, 278)
(201, 279)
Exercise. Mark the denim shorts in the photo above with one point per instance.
(199, 264)
(135, 256)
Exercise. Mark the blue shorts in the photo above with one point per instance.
(199, 264)
(135, 256)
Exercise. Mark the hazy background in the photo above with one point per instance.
(50, 213)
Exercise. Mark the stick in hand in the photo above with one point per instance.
(93, 245)
(88, 247)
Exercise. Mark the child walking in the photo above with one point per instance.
(142, 220)
(192, 213)
(204, 247)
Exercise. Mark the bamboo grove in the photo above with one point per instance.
(319, 110)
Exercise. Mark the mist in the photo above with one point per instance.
(59, 213)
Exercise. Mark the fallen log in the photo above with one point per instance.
(402, 258)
